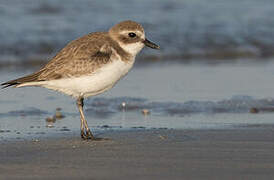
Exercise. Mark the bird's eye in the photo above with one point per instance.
(132, 35)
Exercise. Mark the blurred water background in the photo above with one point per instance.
(214, 66)
(34, 29)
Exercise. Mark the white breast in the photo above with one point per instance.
(92, 84)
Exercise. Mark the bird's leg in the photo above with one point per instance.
(79, 103)
(88, 132)
(85, 131)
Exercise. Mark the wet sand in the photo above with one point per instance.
(245, 153)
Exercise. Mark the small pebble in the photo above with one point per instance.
(254, 110)
(145, 112)
(49, 126)
(50, 119)
(35, 140)
(162, 137)
(59, 115)
(123, 104)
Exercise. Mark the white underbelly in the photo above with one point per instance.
(92, 84)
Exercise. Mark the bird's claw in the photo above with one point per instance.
(86, 135)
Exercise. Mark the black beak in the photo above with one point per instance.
(151, 44)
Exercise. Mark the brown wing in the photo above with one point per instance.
(77, 66)
(79, 57)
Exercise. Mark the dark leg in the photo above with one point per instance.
(85, 131)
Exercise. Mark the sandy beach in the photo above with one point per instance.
(245, 153)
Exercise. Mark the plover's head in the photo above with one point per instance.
(131, 37)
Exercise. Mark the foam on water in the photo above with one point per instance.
(104, 107)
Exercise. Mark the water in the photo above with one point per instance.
(180, 96)
(35, 29)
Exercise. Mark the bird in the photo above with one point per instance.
(90, 65)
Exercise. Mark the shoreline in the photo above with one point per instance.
(240, 153)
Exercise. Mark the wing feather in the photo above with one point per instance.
(79, 57)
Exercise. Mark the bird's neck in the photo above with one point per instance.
(122, 53)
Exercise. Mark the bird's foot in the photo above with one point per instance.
(83, 134)
(89, 134)
(86, 135)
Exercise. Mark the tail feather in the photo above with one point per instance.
(30, 78)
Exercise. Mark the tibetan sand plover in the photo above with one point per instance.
(90, 65)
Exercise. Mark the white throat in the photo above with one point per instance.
(133, 48)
